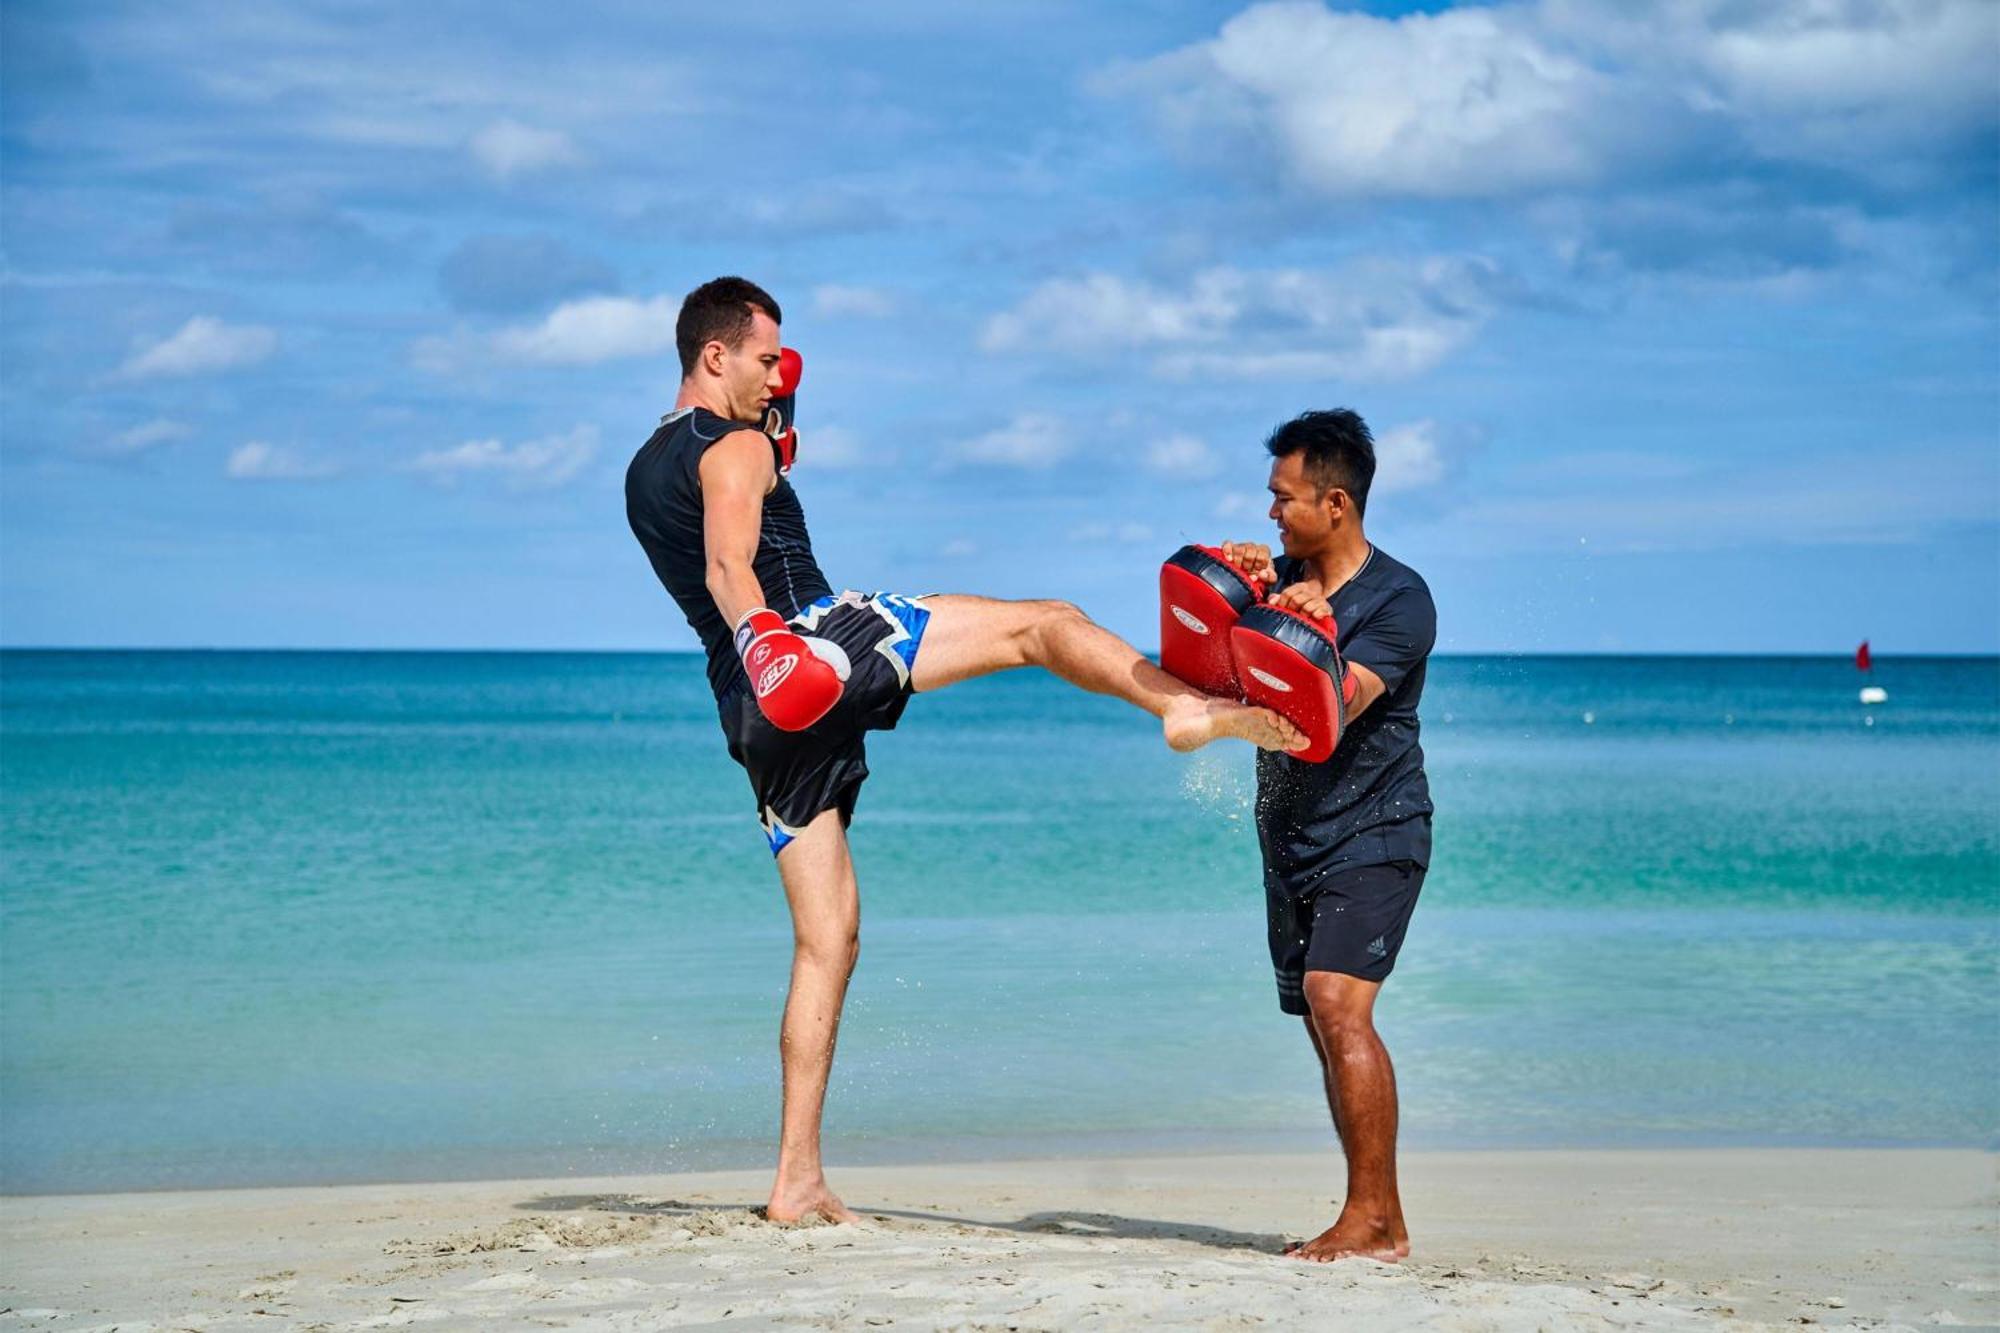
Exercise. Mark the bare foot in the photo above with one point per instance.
(1199, 721)
(1352, 1238)
(810, 1198)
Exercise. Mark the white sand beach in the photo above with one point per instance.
(1504, 1241)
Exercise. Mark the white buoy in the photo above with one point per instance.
(1874, 694)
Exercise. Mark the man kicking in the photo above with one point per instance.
(800, 672)
(1346, 842)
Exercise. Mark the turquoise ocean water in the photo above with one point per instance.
(315, 917)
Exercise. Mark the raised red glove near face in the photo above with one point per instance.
(796, 680)
(779, 416)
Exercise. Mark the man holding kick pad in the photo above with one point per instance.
(1346, 842)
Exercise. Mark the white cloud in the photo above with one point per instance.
(541, 464)
(1485, 101)
(1031, 440)
(202, 346)
(140, 438)
(833, 301)
(259, 461)
(837, 448)
(446, 353)
(508, 149)
(453, 353)
(1408, 458)
(958, 548)
(582, 332)
(1242, 504)
(1810, 78)
(1182, 456)
(379, 131)
(1469, 101)
(1104, 313)
(1128, 532)
(1374, 319)
(596, 328)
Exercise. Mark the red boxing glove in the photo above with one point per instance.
(796, 680)
(779, 416)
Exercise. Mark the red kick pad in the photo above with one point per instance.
(1201, 595)
(1291, 664)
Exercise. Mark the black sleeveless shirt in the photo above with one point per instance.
(663, 504)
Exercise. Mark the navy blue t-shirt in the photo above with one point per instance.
(1369, 803)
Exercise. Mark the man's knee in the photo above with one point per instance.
(1047, 621)
(1342, 1007)
(830, 949)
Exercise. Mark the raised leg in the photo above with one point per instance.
(1360, 1086)
(826, 939)
(976, 636)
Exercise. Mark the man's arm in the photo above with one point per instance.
(796, 680)
(1390, 644)
(736, 474)
(1368, 687)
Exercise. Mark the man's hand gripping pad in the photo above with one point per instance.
(1201, 595)
(1290, 664)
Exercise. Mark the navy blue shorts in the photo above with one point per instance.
(1353, 922)
(799, 775)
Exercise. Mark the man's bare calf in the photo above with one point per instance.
(826, 941)
(1361, 1093)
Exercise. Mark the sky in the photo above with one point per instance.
(1678, 325)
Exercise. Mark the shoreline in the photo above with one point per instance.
(1513, 1238)
(741, 1156)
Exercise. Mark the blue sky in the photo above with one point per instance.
(1678, 324)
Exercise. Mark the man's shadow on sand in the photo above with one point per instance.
(1061, 1222)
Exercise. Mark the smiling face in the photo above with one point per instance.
(747, 373)
(1306, 515)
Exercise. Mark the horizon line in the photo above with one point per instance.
(1837, 654)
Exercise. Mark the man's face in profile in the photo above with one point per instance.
(1303, 512)
(750, 369)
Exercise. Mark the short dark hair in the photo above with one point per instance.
(1338, 448)
(719, 311)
